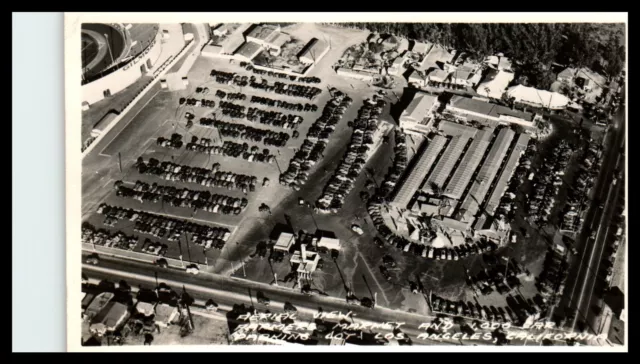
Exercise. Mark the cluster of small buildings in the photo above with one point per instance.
(108, 313)
(306, 261)
(248, 40)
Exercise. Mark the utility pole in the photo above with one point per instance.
(109, 46)
(243, 272)
(120, 162)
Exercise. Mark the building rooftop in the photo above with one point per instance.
(486, 108)
(507, 172)
(421, 104)
(145, 308)
(419, 172)
(472, 157)
(314, 48)
(415, 76)
(164, 312)
(537, 97)
(482, 183)
(436, 58)
(567, 73)
(285, 241)
(451, 128)
(110, 315)
(443, 168)
(248, 49)
(232, 43)
(262, 32)
(438, 74)
(98, 303)
(495, 83)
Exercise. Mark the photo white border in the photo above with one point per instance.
(73, 154)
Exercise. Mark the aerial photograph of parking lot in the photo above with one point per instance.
(349, 184)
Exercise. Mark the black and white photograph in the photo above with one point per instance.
(358, 181)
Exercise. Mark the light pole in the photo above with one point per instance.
(109, 47)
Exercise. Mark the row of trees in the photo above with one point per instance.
(533, 46)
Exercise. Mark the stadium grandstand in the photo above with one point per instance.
(109, 47)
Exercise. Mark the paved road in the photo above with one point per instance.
(229, 291)
(583, 275)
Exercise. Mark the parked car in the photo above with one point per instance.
(93, 259)
(193, 269)
(357, 229)
(162, 263)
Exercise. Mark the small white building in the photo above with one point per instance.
(416, 78)
(220, 30)
(307, 262)
(396, 68)
(437, 75)
(359, 75)
(329, 243)
(166, 314)
(418, 116)
(285, 242)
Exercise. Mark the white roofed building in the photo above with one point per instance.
(494, 83)
(418, 116)
(538, 98)
(285, 242)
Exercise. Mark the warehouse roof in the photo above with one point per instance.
(507, 172)
(314, 48)
(444, 167)
(491, 110)
(421, 104)
(418, 173)
(468, 164)
(482, 183)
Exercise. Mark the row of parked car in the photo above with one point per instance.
(289, 89)
(275, 118)
(197, 102)
(213, 177)
(609, 259)
(577, 197)
(232, 96)
(249, 67)
(102, 237)
(517, 311)
(547, 182)
(342, 182)
(154, 248)
(239, 131)
(165, 227)
(313, 146)
(174, 143)
(192, 199)
(235, 150)
(551, 280)
(311, 79)
(222, 77)
(374, 207)
(283, 104)
(400, 161)
(498, 275)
